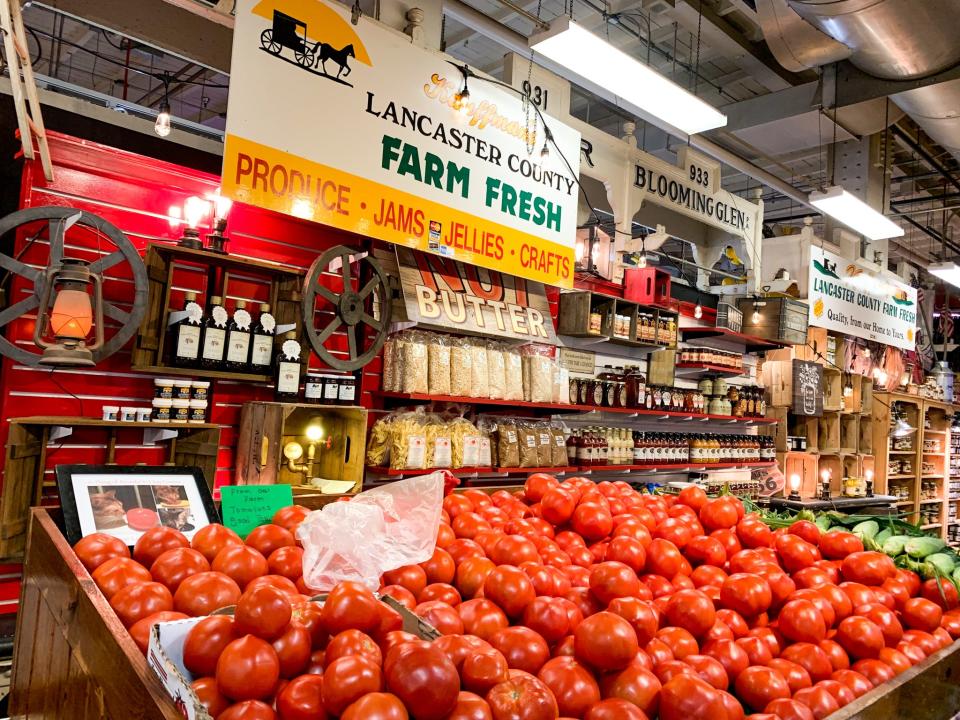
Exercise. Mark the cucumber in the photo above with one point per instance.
(866, 530)
(920, 547)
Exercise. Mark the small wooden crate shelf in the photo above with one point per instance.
(149, 352)
(576, 307)
(196, 445)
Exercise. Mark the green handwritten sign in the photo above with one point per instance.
(244, 507)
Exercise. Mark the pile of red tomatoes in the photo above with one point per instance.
(572, 600)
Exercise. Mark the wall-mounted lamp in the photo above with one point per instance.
(294, 450)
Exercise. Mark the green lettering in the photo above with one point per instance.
(433, 172)
(410, 162)
(457, 175)
(389, 154)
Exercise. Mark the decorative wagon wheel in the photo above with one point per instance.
(115, 249)
(268, 43)
(304, 56)
(352, 308)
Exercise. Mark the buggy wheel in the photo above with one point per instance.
(268, 43)
(304, 57)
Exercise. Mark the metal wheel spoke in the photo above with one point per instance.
(57, 234)
(19, 268)
(369, 287)
(352, 342)
(371, 321)
(31, 302)
(107, 262)
(327, 294)
(112, 311)
(345, 273)
(329, 330)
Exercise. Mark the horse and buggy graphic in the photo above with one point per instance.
(288, 32)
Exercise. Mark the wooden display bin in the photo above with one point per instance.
(782, 319)
(834, 465)
(849, 433)
(804, 465)
(832, 389)
(267, 427)
(577, 306)
(865, 428)
(828, 433)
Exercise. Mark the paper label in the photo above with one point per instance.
(486, 454)
(291, 348)
(331, 390)
(268, 322)
(194, 312)
(242, 318)
(238, 347)
(288, 380)
(188, 342)
(442, 452)
(213, 341)
(245, 507)
(531, 441)
(262, 350)
(416, 452)
(348, 391)
(219, 315)
(545, 438)
(471, 450)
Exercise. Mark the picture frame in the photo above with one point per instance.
(127, 500)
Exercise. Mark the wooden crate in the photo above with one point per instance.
(828, 433)
(849, 433)
(816, 344)
(781, 319)
(661, 368)
(266, 427)
(804, 465)
(72, 656)
(832, 389)
(26, 461)
(865, 443)
(834, 465)
(778, 382)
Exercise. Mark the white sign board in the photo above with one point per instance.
(844, 298)
(353, 126)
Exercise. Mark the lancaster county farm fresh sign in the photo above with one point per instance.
(454, 296)
(846, 299)
(353, 126)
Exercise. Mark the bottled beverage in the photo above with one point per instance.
(185, 334)
(572, 448)
(238, 338)
(214, 335)
(638, 454)
(261, 345)
(287, 371)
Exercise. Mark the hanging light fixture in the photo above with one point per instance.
(848, 387)
(162, 126)
(642, 261)
(600, 63)
(698, 310)
(854, 213)
(463, 96)
(67, 313)
(949, 272)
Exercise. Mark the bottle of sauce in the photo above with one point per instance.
(287, 370)
(572, 448)
(261, 345)
(214, 341)
(637, 449)
(239, 334)
(185, 334)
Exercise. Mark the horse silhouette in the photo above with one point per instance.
(327, 52)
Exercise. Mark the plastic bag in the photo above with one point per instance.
(408, 441)
(414, 363)
(513, 369)
(461, 367)
(480, 384)
(378, 530)
(390, 365)
(438, 351)
(496, 371)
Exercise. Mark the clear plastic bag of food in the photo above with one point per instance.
(438, 351)
(513, 371)
(376, 531)
(414, 363)
(538, 375)
(488, 441)
(461, 367)
(545, 444)
(408, 441)
(389, 381)
(560, 458)
(439, 443)
(480, 384)
(528, 445)
(561, 384)
(496, 371)
(466, 443)
(508, 444)
(378, 447)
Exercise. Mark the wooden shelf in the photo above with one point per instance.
(393, 472)
(706, 368)
(930, 526)
(66, 421)
(201, 373)
(901, 477)
(724, 337)
(901, 452)
(931, 502)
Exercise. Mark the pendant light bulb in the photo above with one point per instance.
(698, 311)
(162, 126)
(755, 318)
(544, 151)
(642, 262)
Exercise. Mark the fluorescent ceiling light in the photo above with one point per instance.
(854, 213)
(597, 61)
(947, 271)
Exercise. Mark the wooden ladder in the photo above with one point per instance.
(18, 58)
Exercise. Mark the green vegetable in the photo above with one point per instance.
(893, 545)
(866, 530)
(956, 577)
(920, 547)
(882, 536)
(823, 522)
(943, 562)
(806, 515)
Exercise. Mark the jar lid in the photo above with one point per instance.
(200, 383)
(182, 383)
(128, 409)
(197, 403)
(111, 408)
(181, 403)
(164, 382)
(162, 402)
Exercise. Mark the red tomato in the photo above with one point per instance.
(241, 563)
(788, 709)
(204, 593)
(677, 531)
(549, 618)
(522, 698)
(837, 544)
(839, 660)
(895, 659)
(860, 637)
(614, 709)
(811, 658)
(709, 669)
(729, 654)
(795, 552)
(263, 612)
(522, 647)
(679, 640)
(209, 696)
(841, 693)
(693, 496)
(376, 706)
(471, 574)
(141, 629)
(440, 591)
(440, 567)
(806, 530)
(510, 588)
(943, 594)
(819, 700)
(204, 643)
(663, 558)
(592, 520)
(290, 517)
(685, 697)
(636, 685)
(267, 538)
(886, 619)
(746, 594)
(293, 650)
(691, 610)
(213, 538)
(349, 678)
(248, 669)
(641, 616)
(611, 580)
(426, 681)
(441, 616)
(175, 566)
(135, 602)
(117, 573)
(705, 550)
(922, 614)
(156, 541)
(248, 710)
(858, 683)
(572, 685)
(482, 617)
(286, 562)
(302, 698)
(558, 505)
(482, 670)
(924, 640)
(758, 686)
(720, 513)
(754, 533)
(801, 621)
(796, 675)
(94, 550)
(537, 486)
(868, 568)
(350, 605)
(605, 641)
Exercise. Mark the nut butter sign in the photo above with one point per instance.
(451, 295)
(353, 126)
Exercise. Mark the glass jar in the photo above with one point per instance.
(636, 388)
(313, 388)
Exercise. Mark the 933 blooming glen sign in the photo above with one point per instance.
(353, 126)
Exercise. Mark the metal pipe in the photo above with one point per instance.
(927, 157)
(929, 198)
(512, 40)
(928, 211)
(537, 22)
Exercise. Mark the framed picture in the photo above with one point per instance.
(126, 501)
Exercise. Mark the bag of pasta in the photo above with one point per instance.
(529, 441)
(438, 352)
(465, 439)
(390, 365)
(561, 384)
(480, 384)
(439, 443)
(378, 448)
(560, 458)
(538, 373)
(488, 441)
(545, 444)
(461, 367)
(414, 363)
(508, 444)
(408, 441)
(496, 371)
(513, 371)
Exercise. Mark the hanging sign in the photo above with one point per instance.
(847, 299)
(454, 296)
(353, 126)
(807, 388)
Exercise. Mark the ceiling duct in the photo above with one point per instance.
(890, 39)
